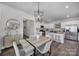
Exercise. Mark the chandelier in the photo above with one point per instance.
(38, 14)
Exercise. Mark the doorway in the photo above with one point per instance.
(28, 28)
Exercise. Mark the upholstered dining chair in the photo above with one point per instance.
(33, 38)
(28, 49)
(44, 48)
(16, 49)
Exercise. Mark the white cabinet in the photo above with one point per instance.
(57, 37)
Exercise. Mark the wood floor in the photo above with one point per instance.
(69, 48)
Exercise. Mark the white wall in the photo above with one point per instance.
(6, 13)
(63, 23)
(67, 21)
(46, 25)
(70, 23)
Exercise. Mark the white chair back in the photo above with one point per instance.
(28, 49)
(16, 49)
(47, 46)
(33, 38)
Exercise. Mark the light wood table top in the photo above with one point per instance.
(40, 41)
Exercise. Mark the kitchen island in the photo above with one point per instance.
(58, 37)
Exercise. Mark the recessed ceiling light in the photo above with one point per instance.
(67, 16)
(67, 6)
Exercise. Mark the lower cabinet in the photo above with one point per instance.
(57, 37)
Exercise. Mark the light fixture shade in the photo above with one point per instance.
(67, 6)
(38, 14)
(68, 16)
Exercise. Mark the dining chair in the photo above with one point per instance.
(27, 47)
(16, 49)
(44, 48)
(33, 38)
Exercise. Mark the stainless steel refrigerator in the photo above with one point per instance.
(71, 32)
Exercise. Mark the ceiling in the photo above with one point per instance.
(53, 11)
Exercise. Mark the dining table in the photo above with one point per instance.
(38, 42)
